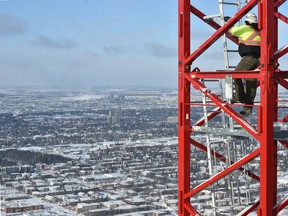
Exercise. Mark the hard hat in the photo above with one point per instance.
(251, 18)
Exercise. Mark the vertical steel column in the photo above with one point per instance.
(268, 109)
(183, 106)
(268, 147)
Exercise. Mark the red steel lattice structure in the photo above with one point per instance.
(269, 76)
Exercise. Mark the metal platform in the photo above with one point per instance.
(280, 131)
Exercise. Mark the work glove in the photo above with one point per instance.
(226, 18)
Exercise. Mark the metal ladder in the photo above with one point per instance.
(228, 88)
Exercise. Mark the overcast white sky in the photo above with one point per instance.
(96, 42)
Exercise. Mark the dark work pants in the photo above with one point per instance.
(246, 96)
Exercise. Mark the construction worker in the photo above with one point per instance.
(249, 50)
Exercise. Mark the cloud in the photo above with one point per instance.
(153, 49)
(10, 25)
(64, 43)
(117, 49)
(91, 53)
(162, 51)
(137, 33)
(74, 69)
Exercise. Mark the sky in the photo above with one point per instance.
(96, 42)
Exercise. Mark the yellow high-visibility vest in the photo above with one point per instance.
(246, 34)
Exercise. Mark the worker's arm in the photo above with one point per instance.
(238, 30)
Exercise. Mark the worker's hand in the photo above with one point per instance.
(226, 18)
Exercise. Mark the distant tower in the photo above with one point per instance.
(265, 132)
(114, 116)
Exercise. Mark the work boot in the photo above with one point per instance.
(246, 111)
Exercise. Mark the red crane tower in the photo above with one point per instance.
(270, 79)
